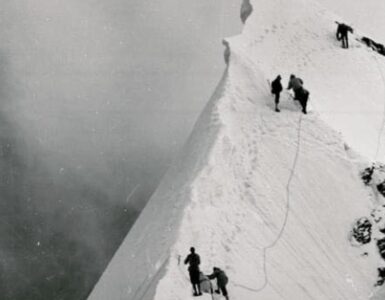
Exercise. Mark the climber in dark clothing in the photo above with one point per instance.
(194, 261)
(342, 34)
(222, 281)
(300, 94)
(303, 97)
(276, 89)
(295, 83)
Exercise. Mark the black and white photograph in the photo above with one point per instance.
(202, 149)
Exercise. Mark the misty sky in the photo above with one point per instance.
(96, 98)
(92, 81)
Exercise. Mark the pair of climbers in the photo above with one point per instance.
(197, 278)
(295, 83)
(342, 34)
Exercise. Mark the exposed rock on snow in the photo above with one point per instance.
(381, 247)
(374, 226)
(381, 276)
(362, 231)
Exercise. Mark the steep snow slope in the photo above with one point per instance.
(380, 295)
(347, 86)
(268, 197)
(367, 15)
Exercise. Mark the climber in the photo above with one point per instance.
(303, 97)
(379, 48)
(276, 89)
(300, 94)
(368, 42)
(295, 83)
(222, 281)
(342, 34)
(194, 260)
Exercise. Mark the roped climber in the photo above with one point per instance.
(276, 89)
(222, 281)
(300, 94)
(342, 34)
(194, 261)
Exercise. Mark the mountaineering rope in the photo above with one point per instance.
(279, 236)
(383, 120)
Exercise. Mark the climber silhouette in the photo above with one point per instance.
(276, 89)
(342, 34)
(222, 281)
(300, 94)
(379, 48)
(194, 261)
(295, 83)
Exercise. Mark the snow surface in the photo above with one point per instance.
(270, 198)
(380, 295)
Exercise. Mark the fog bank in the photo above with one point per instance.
(96, 98)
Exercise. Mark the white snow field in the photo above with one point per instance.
(380, 295)
(268, 197)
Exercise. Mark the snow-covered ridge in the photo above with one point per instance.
(268, 197)
(347, 86)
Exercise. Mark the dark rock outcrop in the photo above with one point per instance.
(362, 231)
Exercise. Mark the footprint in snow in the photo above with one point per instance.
(227, 249)
(247, 185)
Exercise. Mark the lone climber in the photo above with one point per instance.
(276, 89)
(194, 261)
(342, 34)
(222, 281)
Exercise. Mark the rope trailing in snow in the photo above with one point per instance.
(287, 209)
(383, 120)
(288, 200)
